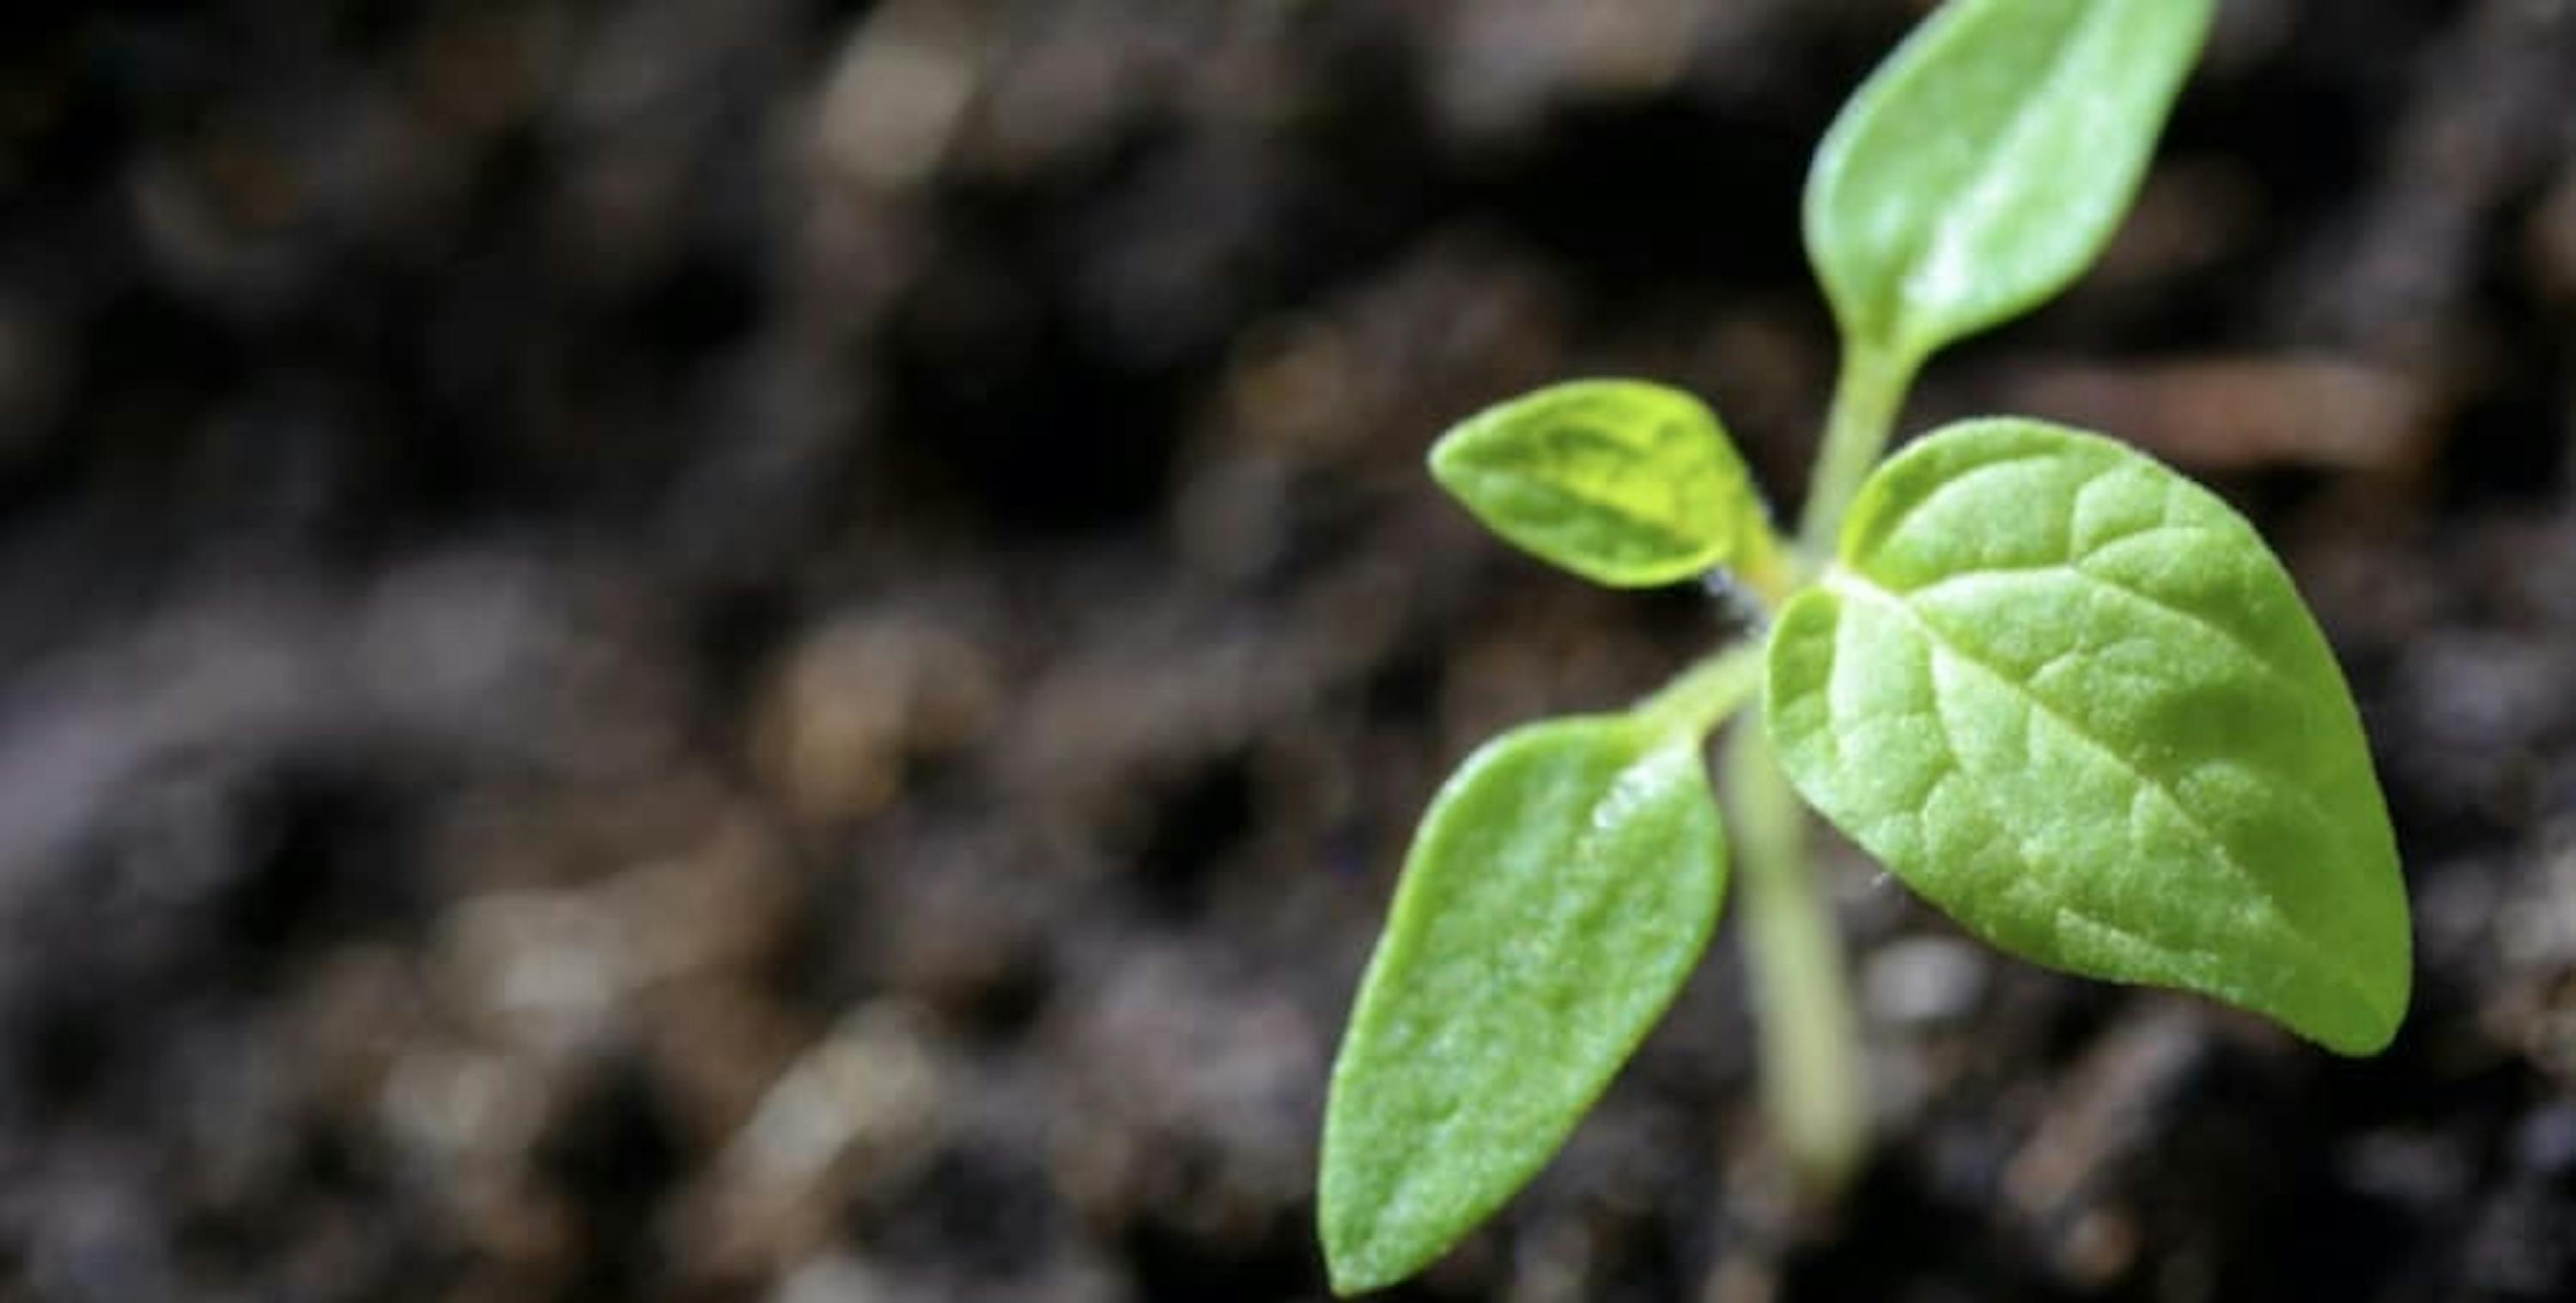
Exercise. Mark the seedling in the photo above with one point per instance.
(2057, 689)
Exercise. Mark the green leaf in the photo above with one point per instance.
(2069, 697)
(1561, 886)
(1985, 164)
(1625, 483)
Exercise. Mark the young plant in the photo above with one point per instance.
(2058, 690)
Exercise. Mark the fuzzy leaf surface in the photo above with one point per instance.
(1625, 483)
(1985, 164)
(1560, 888)
(2070, 698)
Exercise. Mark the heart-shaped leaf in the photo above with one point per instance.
(2070, 698)
(1984, 165)
(1561, 886)
(1625, 483)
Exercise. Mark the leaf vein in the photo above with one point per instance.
(1895, 523)
(2233, 640)
(1854, 585)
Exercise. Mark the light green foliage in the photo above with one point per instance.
(1625, 483)
(2061, 692)
(1561, 886)
(2069, 697)
(1983, 166)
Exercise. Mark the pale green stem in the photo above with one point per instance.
(1812, 1085)
(1812, 1082)
(1866, 395)
(1701, 697)
(1767, 568)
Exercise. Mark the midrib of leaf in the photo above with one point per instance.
(2288, 682)
(1958, 770)
(1561, 920)
(1662, 527)
(2073, 558)
(1938, 240)
(2021, 846)
(1582, 492)
(1854, 585)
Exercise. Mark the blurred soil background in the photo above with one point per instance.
(734, 649)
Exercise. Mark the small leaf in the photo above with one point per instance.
(2070, 698)
(1559, 889)
(1985, 164)
(1625, 483)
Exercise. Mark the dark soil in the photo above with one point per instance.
(699, 650)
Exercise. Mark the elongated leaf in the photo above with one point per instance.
(1560, 887)
(1984, 165)
(1625, 483)
(2069, 697)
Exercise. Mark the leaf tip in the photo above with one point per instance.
(2377, 1015)
(1367, 1244)
(1356, 1257)
(1350, 1278)
(1447, 459)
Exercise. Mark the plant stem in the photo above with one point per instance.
(1701, 697)
(1812, 1082)
(1866, 395)
(1802, 1001)
(1811, 1071)
(1768, 568)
